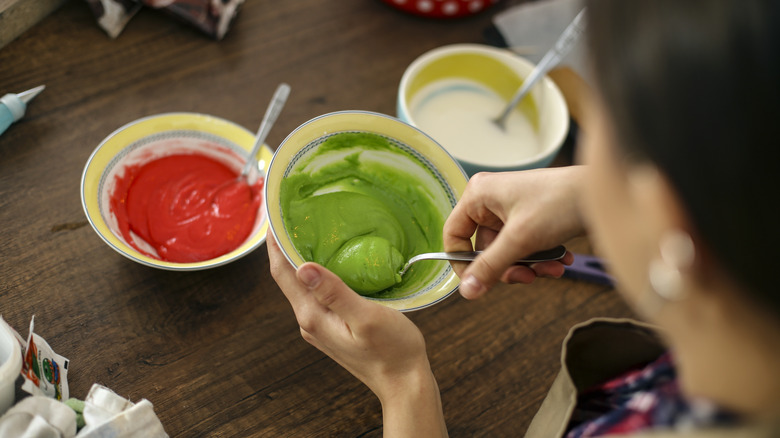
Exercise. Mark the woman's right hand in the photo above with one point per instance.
(513, 215)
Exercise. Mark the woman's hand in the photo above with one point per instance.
(514, 214)
(378, 345)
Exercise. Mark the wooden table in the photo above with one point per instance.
(218, 352)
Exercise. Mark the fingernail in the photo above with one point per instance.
(309, 276)
(470, 287)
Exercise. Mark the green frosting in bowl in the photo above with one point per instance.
(352, 208)
(367, 264)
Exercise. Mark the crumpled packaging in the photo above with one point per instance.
(106, 414)
(212, 17)
(39, 417)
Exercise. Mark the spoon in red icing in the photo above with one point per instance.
(274, 108)
(236, 194)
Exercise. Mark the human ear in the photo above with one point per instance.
(656, 201)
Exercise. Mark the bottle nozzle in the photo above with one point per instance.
(28, 95)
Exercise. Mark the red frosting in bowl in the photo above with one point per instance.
(188, 207)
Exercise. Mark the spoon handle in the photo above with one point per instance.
(271, 113)
(556, 253)
(562, 47)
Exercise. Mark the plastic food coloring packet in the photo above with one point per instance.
(45, 372)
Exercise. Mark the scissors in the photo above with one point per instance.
(589, 268)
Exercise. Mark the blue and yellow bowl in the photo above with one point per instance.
(426, 162)
(148, 138)
(500, 71)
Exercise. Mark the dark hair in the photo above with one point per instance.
(694, 87)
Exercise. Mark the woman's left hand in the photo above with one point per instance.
(378, 345)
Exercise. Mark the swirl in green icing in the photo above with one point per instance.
(360, 216)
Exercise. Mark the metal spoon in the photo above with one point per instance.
(556, 253)
(565, 42)
(271, 113)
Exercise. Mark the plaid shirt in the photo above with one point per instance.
(642, 398)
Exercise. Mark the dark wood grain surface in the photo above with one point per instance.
(218, 352)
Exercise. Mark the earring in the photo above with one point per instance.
(665, 273)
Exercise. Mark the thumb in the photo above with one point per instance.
(487, 269)
(330, 291)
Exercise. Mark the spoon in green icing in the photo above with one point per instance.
(547, 255)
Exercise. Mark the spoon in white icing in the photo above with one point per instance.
(565, 42)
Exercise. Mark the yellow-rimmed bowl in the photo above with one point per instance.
(486, 69)
(153, 137)
(445, 180)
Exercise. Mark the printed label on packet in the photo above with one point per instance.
(45, 372)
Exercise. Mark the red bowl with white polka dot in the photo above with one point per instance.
(441, 8)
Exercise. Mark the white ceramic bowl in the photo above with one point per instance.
(484, 70)
(425, 162)
(152, 137)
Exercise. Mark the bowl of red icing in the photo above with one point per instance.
(164, 191)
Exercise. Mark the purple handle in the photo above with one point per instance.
(588, 268)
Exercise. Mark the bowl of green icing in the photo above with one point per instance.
(360, 193)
